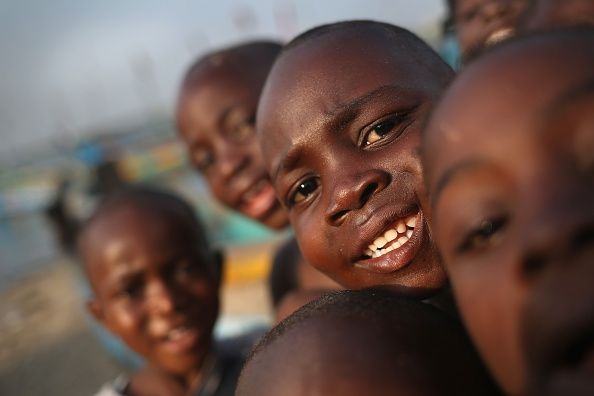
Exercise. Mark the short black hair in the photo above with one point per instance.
(253, 54)
(374, 304)
(318, 31)
(426, 338)
(151, 199)
(283, 277)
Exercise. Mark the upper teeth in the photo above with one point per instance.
(398, 235)
(176, 333)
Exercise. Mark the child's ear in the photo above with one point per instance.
(96, 310)
(218, 259)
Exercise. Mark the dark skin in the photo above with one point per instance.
(157, 290)
(490, 176)
(215, 117)
(559, 315)
(364, 357)
(480, 23)
(544, 14)
(342, 149)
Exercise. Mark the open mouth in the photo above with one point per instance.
(498, 36)
(181, 338)
(395, 247)
(258, 200)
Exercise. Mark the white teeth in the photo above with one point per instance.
(380, 242)
(378, 247)
(390, 235)
(412, 221)
(176, 333)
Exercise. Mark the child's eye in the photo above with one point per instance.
(484, 235)
(185, 269)
(244, 130)
(132, 289)
(303, 190)
(202, 158)
(380, 130)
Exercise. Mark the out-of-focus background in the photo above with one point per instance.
(87, 90)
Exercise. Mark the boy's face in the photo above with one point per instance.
(559, 320)
(339, 122)
(153, 288)
(506, 190)
(555, 13)
(482, 23)
(215, 117)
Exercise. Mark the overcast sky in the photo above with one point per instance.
(73, 65)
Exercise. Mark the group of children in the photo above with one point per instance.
(455, 210)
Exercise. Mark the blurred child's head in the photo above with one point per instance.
(339, 125)
(367, 342)
(154, 276)
(215, 117)
(559, 314)
(508, 191)
(481, 23)
(543, 14)
(293, 281)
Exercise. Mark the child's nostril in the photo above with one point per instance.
(339, 216)
(533, 265)
(368, 192)
(584, 237)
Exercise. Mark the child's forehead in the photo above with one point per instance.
(508, 88)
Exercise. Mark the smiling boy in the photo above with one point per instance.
(339, 124)
(215, 117)
(511, 194)
(156, 286)
(482, 23)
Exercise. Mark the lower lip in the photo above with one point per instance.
(183, 342)
(399, 258)
(261, 203)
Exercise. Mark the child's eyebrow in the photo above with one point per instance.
(344, 113)
(225, 114)
(287, 161)
(339, 117)
(451, 174)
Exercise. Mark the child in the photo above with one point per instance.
(293, 282)
(339, 124)
(156, 286)
(510, 189)
(543, 14)
(481, 23)
(369, 343)
(215, 117)
(559, 315)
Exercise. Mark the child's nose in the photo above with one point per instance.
(494, 9)
(230, 163)
(161, 298)
(353, 193)
(554, 241)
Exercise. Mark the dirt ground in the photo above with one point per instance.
(46, 347)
